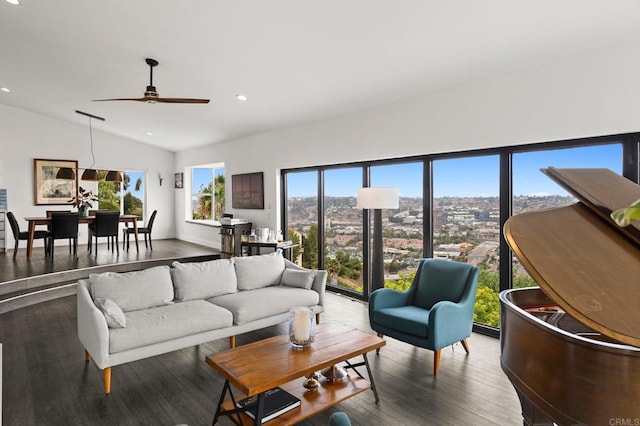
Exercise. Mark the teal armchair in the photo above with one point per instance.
(435, 312)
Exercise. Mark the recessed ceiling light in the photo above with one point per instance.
(149, 133)
(5, 89)
(16, 2)
(241, 97)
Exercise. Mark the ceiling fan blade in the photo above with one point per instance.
(145, 99)
(182, 101)
(151, 94)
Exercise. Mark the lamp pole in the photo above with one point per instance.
(377, 258)
(377, 199)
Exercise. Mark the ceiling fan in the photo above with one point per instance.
(151, 95)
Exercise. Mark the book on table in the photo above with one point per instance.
(276, 401)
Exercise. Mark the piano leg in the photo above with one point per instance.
(531, 415)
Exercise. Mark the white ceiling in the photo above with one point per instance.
(296, 60)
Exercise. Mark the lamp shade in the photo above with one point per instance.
(378, 198)
(113, 176)
(90, 174)
(66, 173)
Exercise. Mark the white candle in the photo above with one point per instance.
(301, 326)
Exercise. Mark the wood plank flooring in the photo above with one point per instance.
(47, 382)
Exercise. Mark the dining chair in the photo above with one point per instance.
(146, 230)
(64, 225)
(24, 235)
(49, 213)
(105, 225)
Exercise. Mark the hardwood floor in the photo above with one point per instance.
(47, 382)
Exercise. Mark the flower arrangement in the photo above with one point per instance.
(624, 216)
(84, 200)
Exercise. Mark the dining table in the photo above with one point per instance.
(35, 221)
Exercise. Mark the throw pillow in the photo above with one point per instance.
(112, 313)
(136, 290)
(259, 271)
(202, 280)
(297, 278)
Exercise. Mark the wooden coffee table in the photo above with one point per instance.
(263, 365)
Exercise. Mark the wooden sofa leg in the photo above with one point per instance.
(378, 350)
(232, 341)
(107, 380)
(87, 357)
(436, 362)
(465, 345)
(318, 318)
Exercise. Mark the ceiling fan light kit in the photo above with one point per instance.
(151, 95)
(89, 174)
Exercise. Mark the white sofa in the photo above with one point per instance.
(124, 317)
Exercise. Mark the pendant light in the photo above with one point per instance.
(89, 174)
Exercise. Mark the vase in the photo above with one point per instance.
(83, 211)
(302, 326)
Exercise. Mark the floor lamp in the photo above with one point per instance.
(377, 199)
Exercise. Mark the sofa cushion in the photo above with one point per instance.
(168, 322)
(201, 280)
(259, 271)
(297, 278)
(134, 290)
(252, 305)
(112, 313)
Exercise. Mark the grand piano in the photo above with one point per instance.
(571, 347)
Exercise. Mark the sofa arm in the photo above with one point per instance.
(93, 331)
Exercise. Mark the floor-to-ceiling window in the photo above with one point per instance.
(302, 217)
(532, 190)
(466, 223)
(403, 228)
(457, 215)
(343, 229)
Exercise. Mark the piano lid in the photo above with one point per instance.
(580, 258)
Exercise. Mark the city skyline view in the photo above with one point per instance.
(463, 177)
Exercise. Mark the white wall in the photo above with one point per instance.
(588, 95)
(25, 136)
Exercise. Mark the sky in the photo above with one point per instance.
(472, 176)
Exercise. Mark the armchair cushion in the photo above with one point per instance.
(410, 319)
(441, 280)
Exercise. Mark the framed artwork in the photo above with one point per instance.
(179, 181)
(247, 191)
(47, 190)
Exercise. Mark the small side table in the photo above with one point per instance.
(254, 247)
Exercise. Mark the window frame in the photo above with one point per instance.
(190, 192)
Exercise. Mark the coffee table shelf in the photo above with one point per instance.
(257, 367)
(311, 401)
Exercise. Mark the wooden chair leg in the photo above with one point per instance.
(232, 341)
(107, 380)
(87, 357)
(380, 335)
(318, 318)
(465, 345)
(436, 362)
